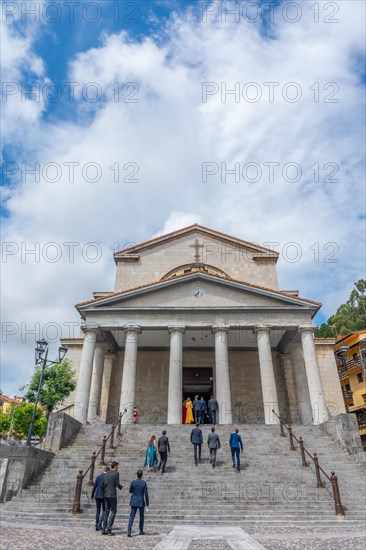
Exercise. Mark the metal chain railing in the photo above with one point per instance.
(81, 476)
(318, 469)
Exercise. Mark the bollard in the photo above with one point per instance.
(319, 482)
(336, 494)
(282, 433)
(79, 483)
(112, 436)
(102, 455)
(292, 448)
(92, 466)
(119, 424)
(304, 463)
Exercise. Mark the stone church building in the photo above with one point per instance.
(197, 311)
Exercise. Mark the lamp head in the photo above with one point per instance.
(62, 350)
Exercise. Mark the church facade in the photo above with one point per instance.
(199, 312)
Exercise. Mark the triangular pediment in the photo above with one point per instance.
(199, 291)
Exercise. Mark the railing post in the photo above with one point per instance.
(112, 436)
(102, 455)
(92, 466)
(119, 425)
(304, 463)
(336, 494)
(319, 482)
(292, 448)
(79, 483)
(282, 434)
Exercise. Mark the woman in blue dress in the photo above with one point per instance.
(151, 458)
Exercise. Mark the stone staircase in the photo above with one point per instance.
(272, 487)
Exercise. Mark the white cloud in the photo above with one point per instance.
(167, 135)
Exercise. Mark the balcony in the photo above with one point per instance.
(345, 367)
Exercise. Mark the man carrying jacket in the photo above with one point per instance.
(236, 444)
(139, 499)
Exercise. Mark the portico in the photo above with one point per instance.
(258, 341)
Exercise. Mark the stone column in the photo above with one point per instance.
(223, 393)
(175, 375)
(96, 381)
(84, 375)
(317, 398)
(288, 369)
(106, 381)
(268, 381)
(129, 373)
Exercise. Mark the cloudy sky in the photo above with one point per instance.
(125, 120)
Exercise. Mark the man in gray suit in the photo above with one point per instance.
(139, 499)
(213, 407)
(197, 440)
(109, 485)
(213, 442)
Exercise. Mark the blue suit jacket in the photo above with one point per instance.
(235, 441)
(97, 491)
(196, 436)
(140, 495)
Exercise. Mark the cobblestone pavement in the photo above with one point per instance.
(342, 536)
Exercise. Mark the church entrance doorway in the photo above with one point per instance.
(197, 381)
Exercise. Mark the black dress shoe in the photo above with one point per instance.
(142, 532)
(97, 528)
(104, 532)
(110, 533)
(129, 535)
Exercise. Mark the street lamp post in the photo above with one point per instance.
(41, 358)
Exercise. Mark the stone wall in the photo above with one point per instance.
(19, 466)
(60, 430)
(329, 376)
(344, 429)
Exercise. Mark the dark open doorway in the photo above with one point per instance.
(197, 381)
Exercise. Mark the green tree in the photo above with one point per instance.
(22, 418)
(4, 423)
(349, 317)
(59, 380)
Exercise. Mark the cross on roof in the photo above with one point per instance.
(197, 247)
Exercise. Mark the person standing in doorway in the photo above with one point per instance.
(139, 499)
(98, 496)
(110, 484)
(236, 444)
(189, 414)
(213, 443)
(197, 440)
(163, 449)
(197, 409)
(213, 407)
(203, 410)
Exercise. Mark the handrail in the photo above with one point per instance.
(333, 478)
(81, 475)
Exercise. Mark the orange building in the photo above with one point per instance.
(7, 402)
(350, 353)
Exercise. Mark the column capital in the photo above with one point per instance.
(306, 328)
(132, 328)
(172, 328)
(262, 328)
(220, 328)
(89, 328)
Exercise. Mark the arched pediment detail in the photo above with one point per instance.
(186, 269)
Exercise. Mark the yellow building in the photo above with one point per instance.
(7, 402)
(350, 353)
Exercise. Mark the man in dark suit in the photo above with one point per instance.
(213, 407)
(110, 484)
(98, 495)
(139, 499)
(197, 440)
(163, 449)
(197, 409)
(203, 409)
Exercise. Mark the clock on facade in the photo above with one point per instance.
(198, 292)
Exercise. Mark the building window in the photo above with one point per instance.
(359, 377)
(364, 397)
(348, 387)
(355, 357)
